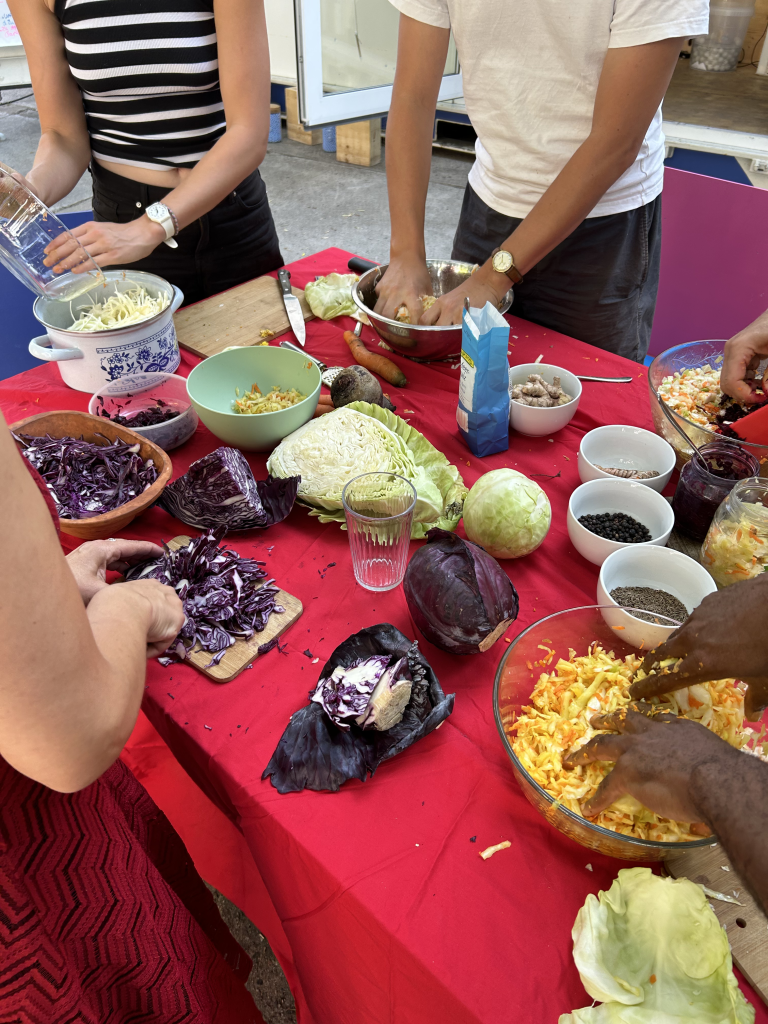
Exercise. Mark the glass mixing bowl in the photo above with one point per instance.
(687, 357)
(574, 628)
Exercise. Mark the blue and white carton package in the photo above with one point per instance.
(483, 410)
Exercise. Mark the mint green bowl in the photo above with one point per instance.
(211, 388)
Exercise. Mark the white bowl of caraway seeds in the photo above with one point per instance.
(658, 584)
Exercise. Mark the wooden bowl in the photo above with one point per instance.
(82, 424)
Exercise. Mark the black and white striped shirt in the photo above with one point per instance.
(148, 73)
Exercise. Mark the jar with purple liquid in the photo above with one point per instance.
(706, 480)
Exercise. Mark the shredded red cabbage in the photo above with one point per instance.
(222, 593)
(85, 478)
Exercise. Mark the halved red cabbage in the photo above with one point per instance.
(221, 490)
(372, 693)
(85, 478)
(223, 597)
(458, 595)
(315, 752)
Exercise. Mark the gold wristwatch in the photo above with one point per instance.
(503, 262)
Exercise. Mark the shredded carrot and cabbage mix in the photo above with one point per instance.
(558, 719)
(254, 402)
(694, 394)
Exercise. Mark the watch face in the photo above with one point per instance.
(157, 210)
(502, 261)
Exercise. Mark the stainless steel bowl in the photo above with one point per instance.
(412, 340)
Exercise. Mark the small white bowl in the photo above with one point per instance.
(615, 495)
(536, 422)
(142, 391)
(647, 566)
(625, 447)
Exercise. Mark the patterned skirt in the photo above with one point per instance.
(103, 917)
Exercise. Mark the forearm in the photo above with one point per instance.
(409, 157)
(237, 153)
(596, 165)
(732, 796)
(68, 718)
(59, 164)
(574, 193)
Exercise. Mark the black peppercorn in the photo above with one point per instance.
(616, 526)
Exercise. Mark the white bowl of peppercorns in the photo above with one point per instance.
(608, 514)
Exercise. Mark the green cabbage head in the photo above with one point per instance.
(507, 514)
(359, 438)
(651, 951)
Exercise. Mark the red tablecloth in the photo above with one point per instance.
(389, 914)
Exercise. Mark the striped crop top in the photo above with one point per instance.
(148, 72)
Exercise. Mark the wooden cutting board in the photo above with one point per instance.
(745, 926)
(242, 652)
(235, 317)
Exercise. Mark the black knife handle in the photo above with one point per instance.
(284, 277)
(359, 266)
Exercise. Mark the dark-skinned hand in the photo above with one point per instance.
(724, 638)
(655, 760)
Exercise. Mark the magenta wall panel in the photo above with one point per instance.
(714, 259)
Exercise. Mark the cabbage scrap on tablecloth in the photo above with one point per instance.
(651, 951)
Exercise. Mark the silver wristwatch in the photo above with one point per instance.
(160, 214)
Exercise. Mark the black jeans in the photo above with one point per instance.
(232, 243)
(598, 285)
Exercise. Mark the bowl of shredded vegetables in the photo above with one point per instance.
(251, 398)
(556, 675)
(122, 324)
(100, 475)
(686, 379)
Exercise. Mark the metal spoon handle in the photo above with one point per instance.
(605, 380)
(670, 416)
(295, 348)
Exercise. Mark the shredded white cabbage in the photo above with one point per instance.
(119, 310)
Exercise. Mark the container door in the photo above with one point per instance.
(346, 52)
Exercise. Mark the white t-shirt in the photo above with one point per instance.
(531, 69)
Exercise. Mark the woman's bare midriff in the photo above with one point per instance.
(169, 178)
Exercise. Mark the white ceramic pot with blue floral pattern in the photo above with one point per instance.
(89, 360)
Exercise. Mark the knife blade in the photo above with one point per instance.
(292, 307)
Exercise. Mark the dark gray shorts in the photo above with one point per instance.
(598, 285)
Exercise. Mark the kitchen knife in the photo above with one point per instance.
(292, 307)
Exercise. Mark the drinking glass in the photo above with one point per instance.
(379, 511)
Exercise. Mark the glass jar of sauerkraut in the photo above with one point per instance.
(736, 546)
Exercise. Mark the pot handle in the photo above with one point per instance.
(50, 354)
(178, 298)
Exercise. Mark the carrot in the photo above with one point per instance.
(375, 363)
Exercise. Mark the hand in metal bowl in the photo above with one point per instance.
(419, 341)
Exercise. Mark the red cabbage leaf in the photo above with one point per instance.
(314, 753)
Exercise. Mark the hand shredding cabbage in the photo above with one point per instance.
(507, 514)
(329, 451)
(651, 950)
